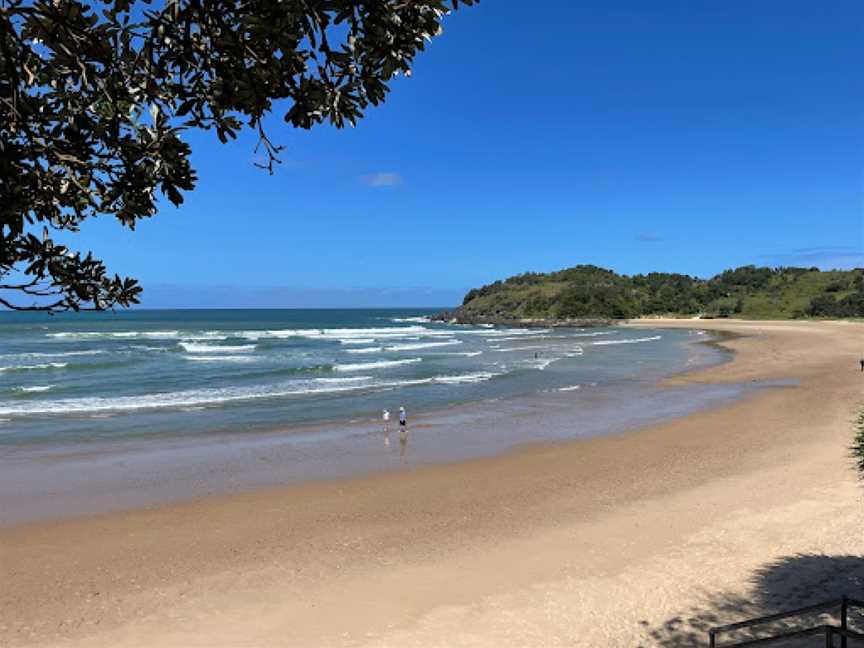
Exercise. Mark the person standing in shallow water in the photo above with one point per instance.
(403, 432)
(403, 425)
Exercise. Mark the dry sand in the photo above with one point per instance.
(634, 540)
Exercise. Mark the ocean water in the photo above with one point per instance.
(75, 378)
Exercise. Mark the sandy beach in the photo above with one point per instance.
(639, 539)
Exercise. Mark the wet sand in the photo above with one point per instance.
(591, 542)
(54, 480)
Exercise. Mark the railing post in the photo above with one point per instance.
(829, 637)
(844, 620)
(712, 639)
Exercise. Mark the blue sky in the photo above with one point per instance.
(686, 136)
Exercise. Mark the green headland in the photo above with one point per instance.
(586, 293)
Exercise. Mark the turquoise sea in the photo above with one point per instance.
(74, 377)
(110, 411)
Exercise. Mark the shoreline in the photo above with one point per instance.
(548, 543)
(113, 475)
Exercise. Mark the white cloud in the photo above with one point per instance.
(827, 257)
(382, 179)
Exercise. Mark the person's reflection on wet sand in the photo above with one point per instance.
(403, 442)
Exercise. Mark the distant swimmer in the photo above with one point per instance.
(862, 364)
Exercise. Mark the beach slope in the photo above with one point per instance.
(640, 539)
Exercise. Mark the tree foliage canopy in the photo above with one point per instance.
(95, 98)
(587, 291)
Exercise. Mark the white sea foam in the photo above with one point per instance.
(366, 350)
(542, 363)
(58, 354)
(628, 341)
(153, 335)
(204, 338)
(594, 334)
(570, 388)
(422, 345)
(219, 358)
(537, 363)
(149, 349)
(521, 338)
(357, 341)
(102, 406)
(168, 400)
(34, 389)
(438, 380)
(106, 406)
(341, 381)
(339, 334)
(522, 348)
(410, 319)
(47, 365)
(382, 364)
(479, 376)
(502, 333)
(464, 354)
(209, 348)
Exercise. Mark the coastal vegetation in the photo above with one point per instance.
(588, 291)
(858, 443)
(97, 101)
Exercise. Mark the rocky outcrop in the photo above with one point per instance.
(459, 316)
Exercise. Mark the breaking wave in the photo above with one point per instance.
(628, 341)
(152, 335)
(381, 364)
(36, 367)
(220, 358)
(191, 347)
(34, 389)
(216, 397)
(422, 345)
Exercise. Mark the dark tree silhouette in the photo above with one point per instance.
(788, 583)
(95, 98)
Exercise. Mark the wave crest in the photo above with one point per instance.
(382, 364)
(628, 341)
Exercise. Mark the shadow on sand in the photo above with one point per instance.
(789, 583)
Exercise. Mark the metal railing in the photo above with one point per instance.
(828, 631)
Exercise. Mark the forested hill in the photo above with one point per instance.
(587, 291)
